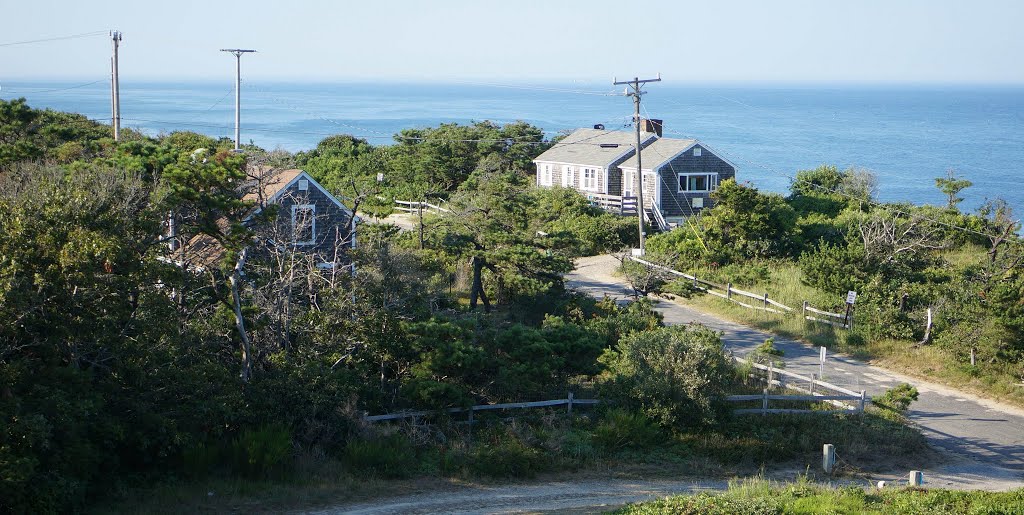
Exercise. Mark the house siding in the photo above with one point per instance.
(676, 204)
(333, 224)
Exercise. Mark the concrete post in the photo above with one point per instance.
(916, 478)
(828, 458)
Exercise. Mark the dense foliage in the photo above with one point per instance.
(118, 365)
(903, 260)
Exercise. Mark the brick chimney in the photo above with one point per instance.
(651, 125)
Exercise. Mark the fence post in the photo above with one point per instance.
(764, 402)
(771, 370)
(863, 398)
(811, 389)
(570, 403)
(766, 301)
(828, 458)
(695, 282)
(471, 416)
(804, 312)
(728, 291)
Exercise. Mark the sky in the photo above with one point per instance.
(511, 41)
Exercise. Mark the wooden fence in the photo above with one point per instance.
(817, 390)
(568, 402)
(756, 301)
(416, 207)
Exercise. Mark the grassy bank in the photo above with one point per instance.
(404, 459)
(782, 281)
(766, 497)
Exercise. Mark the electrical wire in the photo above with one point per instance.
(57, 38)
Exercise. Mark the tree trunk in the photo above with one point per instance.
(477, 290)
(236, 285)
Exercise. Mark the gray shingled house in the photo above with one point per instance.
(588, 160)
(679, 174)
(309, 220)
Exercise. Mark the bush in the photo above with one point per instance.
(263, 451)
(897, 398)
(507, 456)
(623, 429)
(674, 375)
(390, 457)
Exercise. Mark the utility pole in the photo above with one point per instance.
(115, 89)
(636, 84)
(238, 90)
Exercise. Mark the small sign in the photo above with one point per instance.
(851, 297)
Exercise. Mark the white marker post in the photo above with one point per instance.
(821, 363)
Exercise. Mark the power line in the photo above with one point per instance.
(57, 38)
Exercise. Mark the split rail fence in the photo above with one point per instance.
(756, 301)
(848, 401)
(568, 402)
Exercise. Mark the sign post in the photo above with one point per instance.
(851, 298)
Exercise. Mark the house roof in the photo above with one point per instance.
(583, 147)
(265, 188)
(660, 152)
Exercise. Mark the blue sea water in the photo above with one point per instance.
(906, 135)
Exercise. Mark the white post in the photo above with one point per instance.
(863, 399)
(728, 291)
(916, 478)
(828, 458)
(570, 403)
(821, 364)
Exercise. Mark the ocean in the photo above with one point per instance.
(906, 135)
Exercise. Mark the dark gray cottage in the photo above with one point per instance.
(679, 176)
(309, 220)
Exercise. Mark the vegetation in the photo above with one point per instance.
(766, 497)
(119, 368)
(830, 236)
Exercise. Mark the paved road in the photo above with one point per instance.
(985, 436)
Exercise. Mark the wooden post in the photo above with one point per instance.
(695, 282)
(828, 458)
(972, 356)
(766, 301)
(811, 389)
(728, 291)
(764, 403)
(804, 312)
(863, 399)
(570, 403)
(916, 478)
(471, 416)
(771, 370)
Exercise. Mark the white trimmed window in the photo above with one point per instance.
(590, 179)
(304, 224)
(568, 177)
(545, 175)
(698, 182)
(696, 151)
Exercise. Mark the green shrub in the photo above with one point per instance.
(391, 456)
(897, 398)
(507, 456)
(675, 375)
(263, 451)
(621, 429)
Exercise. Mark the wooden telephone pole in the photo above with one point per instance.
(115, 89)
(636, 84)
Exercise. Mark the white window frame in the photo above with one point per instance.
(312, 228)
(710, 182)
(589, 179)
(568, 177)
(628, 182)
(696, 151)
(545, 175)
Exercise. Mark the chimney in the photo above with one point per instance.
(599, 126)
(651, 125)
